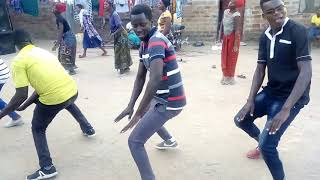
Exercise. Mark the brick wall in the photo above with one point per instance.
(200, 19)
(255, 24)
(43, 26)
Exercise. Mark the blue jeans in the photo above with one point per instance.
(267, 105)
(13, 115)
(43, 116)
(151, 122)
(313, 33)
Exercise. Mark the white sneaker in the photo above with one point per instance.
(167, 145)
(13, 123)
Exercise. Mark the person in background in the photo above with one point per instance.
(165, 19)
(122, 55)
(314, 31)
(16, 119)
(66, 41)
(91, 38)
(134, 40)
(231, 42)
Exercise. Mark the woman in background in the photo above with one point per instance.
(122, 54)
(231, 42)
(91, 38)
(66, 41)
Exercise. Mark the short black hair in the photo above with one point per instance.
(142, 8)
(166, 3)
(22, 37)
(262, 2)
(80, 6)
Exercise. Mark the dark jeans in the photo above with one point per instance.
(267, 105)
(151, 122)
(42, 117)
(13, 115)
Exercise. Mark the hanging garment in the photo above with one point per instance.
(138, 2)
(121, 6)
(69, 17)
(179, 9)
(173, 6)
(30, 7)
(16, 5)
(101, 8)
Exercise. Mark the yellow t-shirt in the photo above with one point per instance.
(316, 20)
(45, 74)
(162, 20)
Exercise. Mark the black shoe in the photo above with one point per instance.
(90, 133)
(72, 72)
(43, 173)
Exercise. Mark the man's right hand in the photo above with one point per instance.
(126, 112)
(247, 108)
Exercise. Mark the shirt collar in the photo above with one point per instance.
(151, 33)
(267, 32)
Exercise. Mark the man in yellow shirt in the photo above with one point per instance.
(54, 91)
(314, 32)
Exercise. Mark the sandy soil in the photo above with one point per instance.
(211, 147)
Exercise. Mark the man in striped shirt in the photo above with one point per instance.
(164, 96)
(16, 119)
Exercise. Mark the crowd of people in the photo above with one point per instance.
(284, 50)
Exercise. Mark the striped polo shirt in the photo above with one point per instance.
(171, 89)
(4, 72)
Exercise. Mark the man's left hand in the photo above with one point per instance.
(278, 120)
(132, 123)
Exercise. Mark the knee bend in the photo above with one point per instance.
(132, 142)
(238, 123)
(267, 150)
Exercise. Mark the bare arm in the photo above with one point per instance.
(59, 39)
(138, 84)
(257, 81)
(301, 84)
(156, 70)
(19, 97)
(29, 101)
(237, 28)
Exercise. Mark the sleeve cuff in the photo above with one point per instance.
(159, 56)
(304, 58)
(261, 61)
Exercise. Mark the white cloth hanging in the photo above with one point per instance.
(122, 6)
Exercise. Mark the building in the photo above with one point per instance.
(199, 16)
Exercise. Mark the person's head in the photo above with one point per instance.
(274, 12)
(141, 20)
(58, 9)
(21, 38)
(108, 6)
(163, 4)
(232, 4)
(79, 7)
